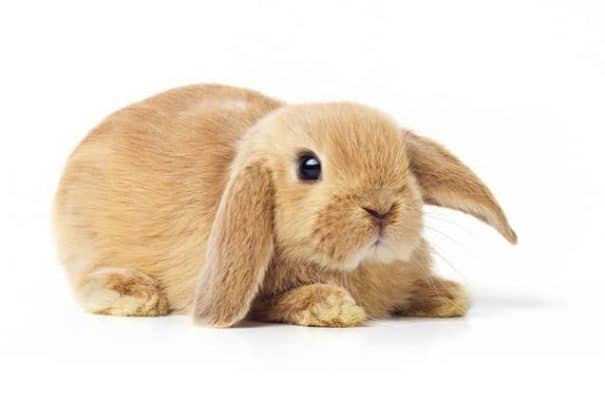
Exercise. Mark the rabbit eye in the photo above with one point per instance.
(309, 167)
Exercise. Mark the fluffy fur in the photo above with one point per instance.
(189, 201)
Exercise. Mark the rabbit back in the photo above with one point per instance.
(142, 188)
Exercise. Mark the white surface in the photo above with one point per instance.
(515, 89)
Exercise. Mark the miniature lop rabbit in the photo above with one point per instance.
(227, 204)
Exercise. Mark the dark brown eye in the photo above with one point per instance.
(309, 167)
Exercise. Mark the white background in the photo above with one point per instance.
(516, 89)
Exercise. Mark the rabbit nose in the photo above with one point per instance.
(380, 216)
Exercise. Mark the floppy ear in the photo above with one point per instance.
(240, 248)
(447, 182)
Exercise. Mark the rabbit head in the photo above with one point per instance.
(334, 185)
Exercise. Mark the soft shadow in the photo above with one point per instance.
(513, 301)
(491, 303)
(262, 324)
(247, 323)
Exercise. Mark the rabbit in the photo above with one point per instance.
(225, 204)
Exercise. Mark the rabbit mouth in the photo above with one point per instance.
(379, 251)
(378, 241)
(383, 248)
(380, 235)
(378, 244)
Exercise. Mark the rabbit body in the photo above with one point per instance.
(139, 208)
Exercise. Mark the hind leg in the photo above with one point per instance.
(436, 297)
(121, 291)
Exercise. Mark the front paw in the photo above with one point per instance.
(337, 310)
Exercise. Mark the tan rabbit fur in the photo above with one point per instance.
(190, 201)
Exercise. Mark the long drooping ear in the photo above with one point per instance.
(240, 248)
(447, 182)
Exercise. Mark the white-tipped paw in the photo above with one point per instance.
(337, 310)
